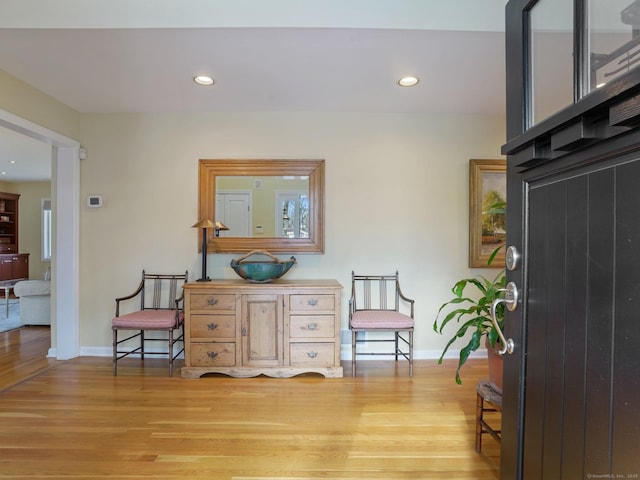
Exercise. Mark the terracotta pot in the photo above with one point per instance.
(495, 366)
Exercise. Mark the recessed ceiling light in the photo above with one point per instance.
(3, 173)
(408, 81)
(203, 80)
(12, 162)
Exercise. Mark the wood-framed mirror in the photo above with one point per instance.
(273, 205)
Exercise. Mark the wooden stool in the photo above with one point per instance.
(493, 399)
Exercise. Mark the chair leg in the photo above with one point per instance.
(353, 353)
(142, 345)
(397, 334)
(171, 353)
(479, 410)
(410, 353)
(115, 353)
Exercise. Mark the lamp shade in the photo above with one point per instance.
(204, 223)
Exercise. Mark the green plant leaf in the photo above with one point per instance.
(493, 255)
(471, 315)
(459, 287)
(460, 333)
(472, 346)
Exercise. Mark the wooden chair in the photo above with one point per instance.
(161, 310)
(488, 400)
(375, 306)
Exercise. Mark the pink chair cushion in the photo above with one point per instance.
(371, 319)
(147, 320)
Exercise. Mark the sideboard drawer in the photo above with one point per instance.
(213, 354)
(212, 301)
(209, 327)
(312, 354)
(306, 303)
(312, 326)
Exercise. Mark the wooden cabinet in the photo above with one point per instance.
(14, 266)
(278, 329)
(9, 222)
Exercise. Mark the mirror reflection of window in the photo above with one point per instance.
(295, 214)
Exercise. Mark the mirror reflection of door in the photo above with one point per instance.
(292, 214)
(234, 210)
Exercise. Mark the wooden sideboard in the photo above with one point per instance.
(278, 329)
(14, 266)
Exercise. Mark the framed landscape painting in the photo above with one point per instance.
(487, 220)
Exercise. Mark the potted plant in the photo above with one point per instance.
(472, 311)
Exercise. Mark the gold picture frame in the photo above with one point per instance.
(487, 231)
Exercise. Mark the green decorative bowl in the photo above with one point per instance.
(261, 271)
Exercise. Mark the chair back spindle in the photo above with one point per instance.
(160, 292)
(379, 292)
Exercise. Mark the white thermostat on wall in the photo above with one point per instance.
(94, 201)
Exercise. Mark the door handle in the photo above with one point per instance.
(510, 300)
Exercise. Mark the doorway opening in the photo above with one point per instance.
(65, 193)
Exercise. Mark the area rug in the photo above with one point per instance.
(13, 320)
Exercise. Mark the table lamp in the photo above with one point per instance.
(204, 224)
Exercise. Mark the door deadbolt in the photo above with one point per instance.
(512, 258)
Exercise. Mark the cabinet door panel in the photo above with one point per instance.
(262, 330)
(20, 268)
(6, 268)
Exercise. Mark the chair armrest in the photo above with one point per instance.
(178, 301)
(411, 301)
(128, 297)
(352, 299)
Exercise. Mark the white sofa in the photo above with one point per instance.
(35, 301)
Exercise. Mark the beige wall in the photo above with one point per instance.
(396, 198)
(396, 195)
(25, 101)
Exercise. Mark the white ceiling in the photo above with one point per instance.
(343, 60)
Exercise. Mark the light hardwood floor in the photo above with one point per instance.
(74, 419)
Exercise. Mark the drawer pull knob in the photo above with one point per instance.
(312, 354)
(212, 326)
(313, 302)
(312, 326)
(244, 331)
(212, 355)
(212, 301)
